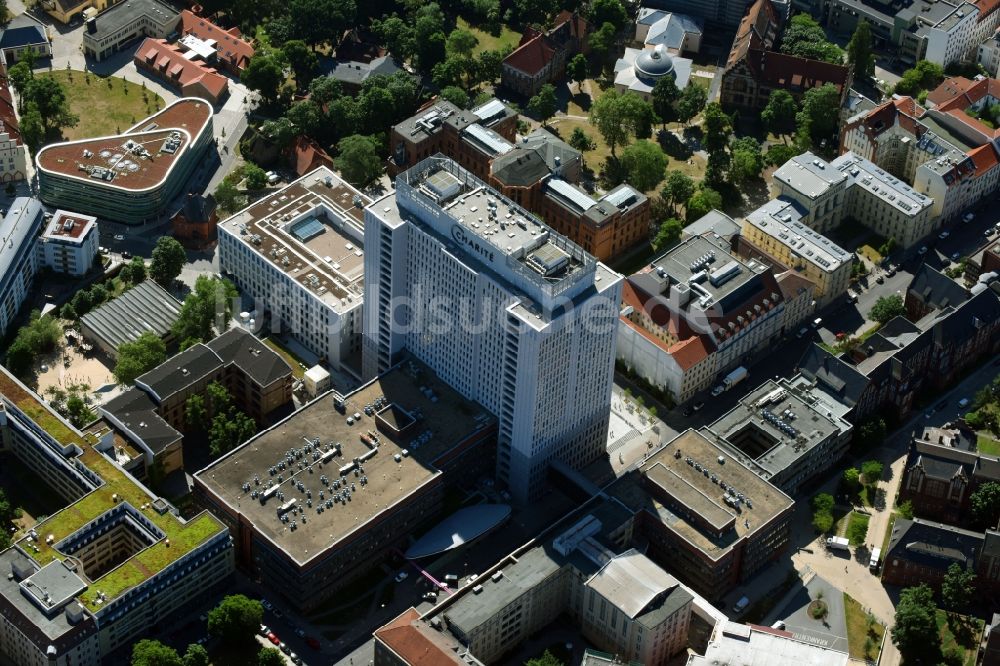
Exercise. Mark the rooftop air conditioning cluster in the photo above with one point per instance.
(172, 143)
(778, 421)
(702, 261)
(731, 496)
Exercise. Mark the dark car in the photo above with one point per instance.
(688, 411)
(312, 642)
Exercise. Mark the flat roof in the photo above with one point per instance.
(313, 231)
(761, 646)
(694, 487)
(795, 419)
(141, 158)
(782, 220)
(68, 226)
(411, 387)
(183, 536)
(885, 186)
(52, 625)
(18, 229)
(809, 174)
(125, 14)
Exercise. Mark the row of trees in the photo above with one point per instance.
(9, 512)
(916, 632)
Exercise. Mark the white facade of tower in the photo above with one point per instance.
(505, 310)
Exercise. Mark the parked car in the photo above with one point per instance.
(741, 605)
(313, 643)
(780, 624)
(264, 630)
(300, 633)
(718, 390)
(266, 604)
(688, 411)
(697, 406)
(273, 638)
(922, 251)
(880, 279)
(956, 256)
(963, 403)
(943, 235)
(119, 237)
(284, 648)
(968, 217)
(401, 576)
(802, 333)
(277, 613)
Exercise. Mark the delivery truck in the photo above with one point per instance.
(734, 377)
(837, 543)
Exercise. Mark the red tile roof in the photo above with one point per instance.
(787, 71)
(532, 56)
(414, 643)
(757, 30)
(949, 89)
(986, 7)
(689, 353)
(193, 77)
(7, 115)
(655, 307)
(308, 155)
(984, 157)
(230, 47)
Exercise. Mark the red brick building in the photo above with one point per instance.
(541, 57)
(194, 225)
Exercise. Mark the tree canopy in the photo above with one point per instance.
(577, 69)
(957, 587)
(358, 160)
(618, 117)
(236, 619)
(702, 202)
(859, 51)
(677, 189)
(644, 164)
(746, 160)
(779, 114)
(264, 73)
(925, 75)
(544, 104)
(547, 659)
(804, 37)
(207, 307)
(915, 632)
(820, 113)
(985, 503)
(668, 234)
(138, 357)
(270, 656)
(154, 653)
(886, 308)
(664, 97)
(717, 126)
(168, 260)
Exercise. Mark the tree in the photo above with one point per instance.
(702, 202)
(576, 70)
(270, 657)
(430, 44)
(196, 655)
(664, 96)
(581, 140)
(49, 97)
(905, 510)
(397, 35)
(691, 102)
(547, 659)
(859, 51)
(886, 308)
(195, 412)
(746, 160)
(324, 90)
(154, 653)
(490, 63)
(456, 96)
(822, 521)
(871, 432)
(137, 270)
(217, 399)
(668, 234)
(67, 311)
(717, 127)
(228, 197)
(820, 113)
(985, 502)
(32, 127)
(461, 43)
(265, 74)
(207, 307)
(603, 40)
(823, 502)
(302, 60)
(608, 11)
(852, 479)
(805, 38)
(319, 21)
(872, 471)
(678, 189)
(306, 117)
(544, 104)
(19, 74)
(925, 75)
(358, 160)
(236, 619)
(957, 587)
(915, 633)
(644, 164)
(229, 430)
(779, 114)
(617, 116)
(138, 357)
(78, 412)
(168, 260)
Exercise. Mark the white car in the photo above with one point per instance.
(119, 237)
(943, 235)
(922, 251)
(401, 576)
(718, 390)
(968, 217)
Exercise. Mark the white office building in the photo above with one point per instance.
(69, 244)
(501, 307)
(297, 254)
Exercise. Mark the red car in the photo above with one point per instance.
(312, 642)
(274, 639)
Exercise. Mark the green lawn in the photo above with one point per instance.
(488, 42)
(888, 533)
(859, 631)
(857, 528)
(298, 365)
(104, 110)
(987, 444)
(965, 634)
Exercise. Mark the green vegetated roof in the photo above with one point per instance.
(183, 537)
